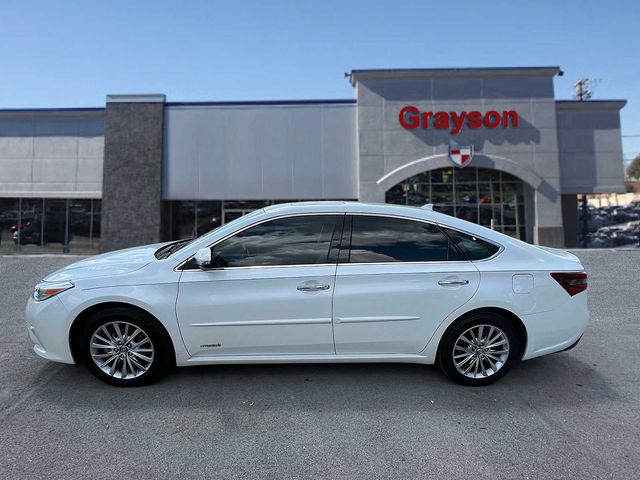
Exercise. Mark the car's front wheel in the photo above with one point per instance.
(124, 347)
(479, 349)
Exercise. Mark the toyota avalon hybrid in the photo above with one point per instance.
(315, 282)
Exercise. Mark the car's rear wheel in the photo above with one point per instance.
(124, 347)
(479, 350)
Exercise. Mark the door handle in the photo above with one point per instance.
(452, 283)
(313, 287)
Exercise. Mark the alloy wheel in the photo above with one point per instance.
(121, 350)
(481, 351)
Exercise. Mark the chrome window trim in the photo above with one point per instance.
(435, 262)
(253, 267)
(290, 215)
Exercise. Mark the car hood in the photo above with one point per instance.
(108, 264)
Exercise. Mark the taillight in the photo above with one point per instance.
(572, 282)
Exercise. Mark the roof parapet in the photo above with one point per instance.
(590, 104)
(138, 98)
(356, 75)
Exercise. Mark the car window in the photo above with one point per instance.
(388, 239)
(300, 240)
(472, 247)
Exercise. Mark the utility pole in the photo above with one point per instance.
(583, 89)
(584, 92)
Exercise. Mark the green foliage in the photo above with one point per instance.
(633, 170)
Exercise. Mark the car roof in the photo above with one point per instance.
(338, 206)
(424, 212)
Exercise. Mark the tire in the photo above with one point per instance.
(146, 351)
(491, 360)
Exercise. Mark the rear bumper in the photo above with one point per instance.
(572, 345)
(556, 330)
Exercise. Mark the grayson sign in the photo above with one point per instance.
(411, 117)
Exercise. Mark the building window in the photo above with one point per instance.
(84, 225)
(9, 218)
(233, 209)
(488, 197)
(193, 218)
(49, 225)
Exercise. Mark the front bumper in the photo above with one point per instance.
(48, 324)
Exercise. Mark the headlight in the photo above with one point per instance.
(46, 290)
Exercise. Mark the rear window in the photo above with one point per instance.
(472, 247)
(386, 239)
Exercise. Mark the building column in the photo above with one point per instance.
(132, 171)
(570, 220)
(548, 229)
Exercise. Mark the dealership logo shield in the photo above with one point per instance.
(461, 156)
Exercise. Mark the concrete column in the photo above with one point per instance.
(132, 171)
(570, 220)
(370, 192)
(548, 230)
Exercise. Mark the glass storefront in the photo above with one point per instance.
(193, 218)
(49, 225)
(490, 198)
(52, 225)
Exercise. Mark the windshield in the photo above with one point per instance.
(171, 248)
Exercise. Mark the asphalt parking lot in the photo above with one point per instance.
(569, 415)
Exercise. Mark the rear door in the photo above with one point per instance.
(397, 280)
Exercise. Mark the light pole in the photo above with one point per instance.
(405, 189)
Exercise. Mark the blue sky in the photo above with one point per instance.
(66, 54)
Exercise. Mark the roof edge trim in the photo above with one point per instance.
(590, 104)
(356, 75)
(137, 98)
(249, 103)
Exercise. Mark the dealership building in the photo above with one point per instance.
(490, 145)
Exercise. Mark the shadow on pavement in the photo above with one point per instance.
(560, 380)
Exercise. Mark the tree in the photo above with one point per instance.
(633, 170)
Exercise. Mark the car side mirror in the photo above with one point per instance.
(203, 258)
(207, 260)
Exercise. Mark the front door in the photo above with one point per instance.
(271, 296)
(397, 280)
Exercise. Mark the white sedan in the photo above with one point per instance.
(315, 282)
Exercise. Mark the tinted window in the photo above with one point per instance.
(385, 239)
(472, 247)
(299, 240)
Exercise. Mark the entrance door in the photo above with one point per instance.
(271, 294)
(488, 197)
(396, 283)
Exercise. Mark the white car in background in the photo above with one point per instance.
(315, 282)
